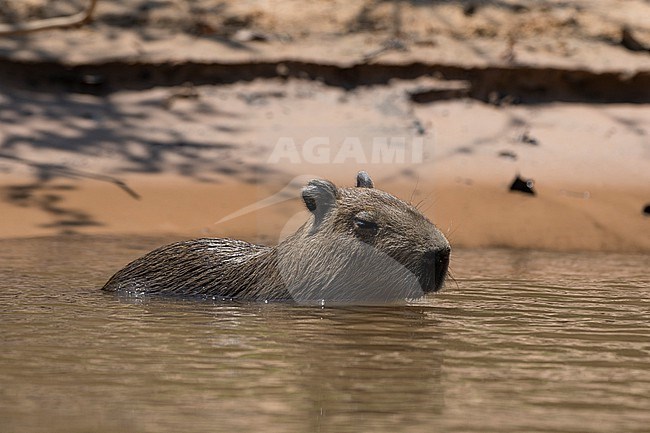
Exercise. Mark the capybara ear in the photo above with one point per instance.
(320, 197)
(364, 181)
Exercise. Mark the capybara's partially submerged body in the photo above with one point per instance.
(360, 245)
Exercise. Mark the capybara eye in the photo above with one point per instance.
(366, 225)
(364, 221)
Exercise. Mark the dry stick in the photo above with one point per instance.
(77, 19)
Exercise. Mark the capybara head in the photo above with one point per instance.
(362, 244)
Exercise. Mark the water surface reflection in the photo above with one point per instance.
(526, 341)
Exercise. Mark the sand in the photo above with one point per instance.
(155, 157)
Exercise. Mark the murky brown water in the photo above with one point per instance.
(526, 341)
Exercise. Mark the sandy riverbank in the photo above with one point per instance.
(484, 94)
(470, 215)
(207, 157)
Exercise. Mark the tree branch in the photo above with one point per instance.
(77, 19)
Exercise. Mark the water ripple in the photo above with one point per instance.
(526, 341)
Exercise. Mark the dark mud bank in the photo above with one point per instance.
(523, 84)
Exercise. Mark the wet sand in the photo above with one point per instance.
(471, 215)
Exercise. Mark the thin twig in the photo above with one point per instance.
(78, 19)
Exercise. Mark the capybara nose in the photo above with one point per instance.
(436, 265)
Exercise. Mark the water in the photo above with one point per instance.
(525, 341)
